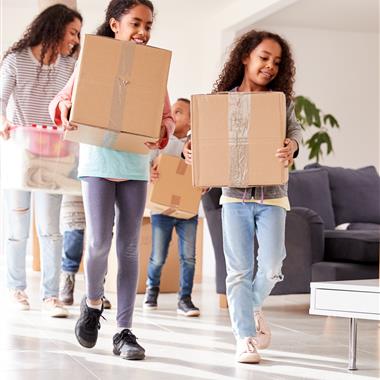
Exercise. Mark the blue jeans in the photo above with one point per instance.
(17, 212)
(162, 228)
(72, 250)
(241, 221)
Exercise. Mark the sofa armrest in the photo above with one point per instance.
(304, 233)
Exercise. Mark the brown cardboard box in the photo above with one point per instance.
(119, 95)
(170, 272)
(235, 137)
(173, 194)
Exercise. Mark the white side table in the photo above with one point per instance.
(358, 299)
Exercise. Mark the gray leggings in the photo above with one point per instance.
(100, 197)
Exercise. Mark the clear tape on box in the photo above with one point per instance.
(37, 158)
(239, 112)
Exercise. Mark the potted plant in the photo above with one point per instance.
(310, 116)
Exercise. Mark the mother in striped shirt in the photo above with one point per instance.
(33, 70)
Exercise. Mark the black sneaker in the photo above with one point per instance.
(106, 303)
(87, 326)
(150, 299)
(186, 307)
(125, 345)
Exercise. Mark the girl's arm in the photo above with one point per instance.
(61, 104)
(167, 123)
(8, 84)
(293, 128)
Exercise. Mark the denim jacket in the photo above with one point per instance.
(293, 131)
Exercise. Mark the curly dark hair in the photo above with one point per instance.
(233, 71)
(116, 9)
(47, 29)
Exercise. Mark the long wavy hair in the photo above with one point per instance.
(47, 29)
(116, 9)
(233, 71)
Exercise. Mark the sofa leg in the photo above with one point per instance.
(223, 304)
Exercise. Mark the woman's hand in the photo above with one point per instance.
(286, 153)
(161, 142)
(154, 173)
(187, 152)
(5, 128)
(64, 107)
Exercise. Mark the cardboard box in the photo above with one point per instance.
(171, 269)
(173, 194)
(235, 137)
(119, 95)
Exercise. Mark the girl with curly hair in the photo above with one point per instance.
(32, 71)
(259, 61)
(114, 184)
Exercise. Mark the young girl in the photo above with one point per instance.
(32, 71)
(259, 61)
(112, 178)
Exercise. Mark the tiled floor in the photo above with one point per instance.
(34, 346)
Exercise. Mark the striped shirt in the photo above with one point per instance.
(27, 89)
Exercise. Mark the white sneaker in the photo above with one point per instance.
(246, 351)
(54, 308)
(19, 299)
(263, 333)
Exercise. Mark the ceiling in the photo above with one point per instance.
(342, 15)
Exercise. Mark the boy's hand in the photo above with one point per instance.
(64, 107)
(154, 173)
(285, 154)
(5, 128)
(188, 153)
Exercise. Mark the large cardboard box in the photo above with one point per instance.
(119, 94)
(235, 137)
(173, 194)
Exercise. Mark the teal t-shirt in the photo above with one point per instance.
(100, 162)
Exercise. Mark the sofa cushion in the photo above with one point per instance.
(352, 246)
(355, 194)
(310, 189)
(364, 226)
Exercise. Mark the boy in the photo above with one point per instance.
(162, 227)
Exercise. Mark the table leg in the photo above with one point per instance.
(352, 344)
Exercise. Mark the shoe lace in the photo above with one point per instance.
(126, 336)
(188, 302)
(92, 318)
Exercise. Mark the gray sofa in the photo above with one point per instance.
(332, 231)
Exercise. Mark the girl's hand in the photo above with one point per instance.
(5, 128)
(161, 142)
(285, 154)
(154, 173)
(64, 107)
(187, 152)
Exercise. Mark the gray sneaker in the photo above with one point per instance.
(186, 307)
(125, 345)
(66, 288)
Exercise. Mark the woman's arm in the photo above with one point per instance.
(8, 84)
(59, 107)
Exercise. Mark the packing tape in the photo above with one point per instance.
(181, 168)
(174, 203)
(109, 138)
(239, 116)
(120, 88)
